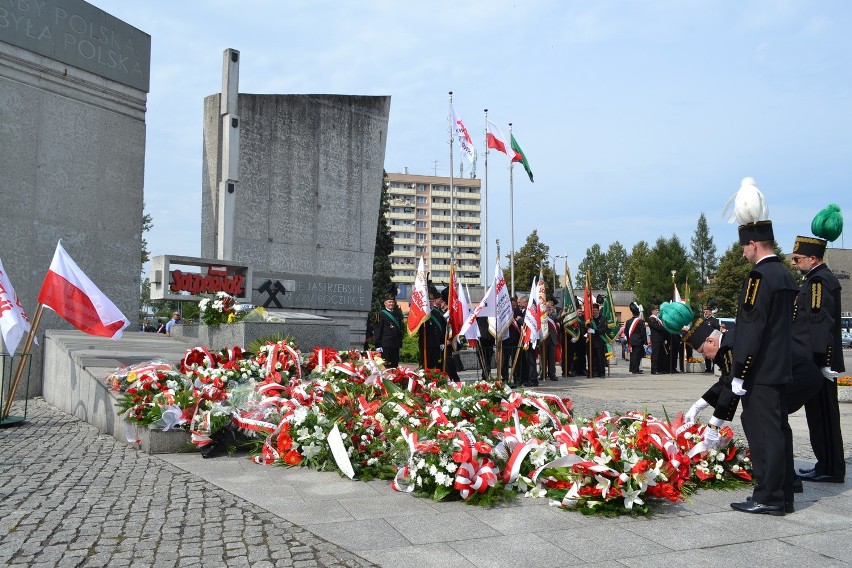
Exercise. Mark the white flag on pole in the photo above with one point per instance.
(14, 322)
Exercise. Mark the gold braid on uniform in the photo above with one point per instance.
(816, 295)
(752, 286)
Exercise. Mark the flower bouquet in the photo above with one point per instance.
(219, 309)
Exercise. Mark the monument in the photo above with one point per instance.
(73, 95)
(291, 187)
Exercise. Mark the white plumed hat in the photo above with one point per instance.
(748, 208)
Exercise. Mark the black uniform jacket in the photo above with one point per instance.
(816, 319)
(762, 348)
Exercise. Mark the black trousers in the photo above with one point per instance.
(764, 419)
(823, 415)
(391, 357)
(659, 358)
(637, 353)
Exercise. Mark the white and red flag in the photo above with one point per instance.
(504, 317)
(542, 302)
(494, 139)
(532, 320)
(418, 304)
(463, 136)
(69, 292)
(472, 332)
(14, 322)
(484, 308)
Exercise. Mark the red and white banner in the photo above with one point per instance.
(472, 331)
(418, 304)
(494, 139)
(531, 318)
(14, 322)
(69, 292)
(542, 308)
(463, 136)
(481, 310)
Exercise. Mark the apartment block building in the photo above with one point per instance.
(420, 221)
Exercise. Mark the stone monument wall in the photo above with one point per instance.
(307, 200)
(73, 84)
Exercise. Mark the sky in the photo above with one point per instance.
(636, 117)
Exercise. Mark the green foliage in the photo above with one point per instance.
(147, 225)
(595, 263)
(634, 263)
(703, 253)
(409, 351)
(528, 263)
(616, 265)
(382, 269)
(655, 273)
(255, 345)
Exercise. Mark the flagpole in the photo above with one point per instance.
(498, 332)
(511, 223)
(588, 322)
(452, 205)
(25, 354)
(484, 223)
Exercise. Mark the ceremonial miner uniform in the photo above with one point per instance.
(817, 332)
(388, 334)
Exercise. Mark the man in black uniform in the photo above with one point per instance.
(553, 341)
(714, 323)
(637, 338)
(432, 331)
(486, 344)
(762, 367)
(659, 339)
(594, 333)
(510, 344)
(387, 333)
(718, 346)
(817, 332)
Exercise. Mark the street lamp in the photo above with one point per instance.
(553, 261)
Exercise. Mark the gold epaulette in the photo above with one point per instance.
(751, 289)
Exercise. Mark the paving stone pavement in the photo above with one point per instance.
(70, 497)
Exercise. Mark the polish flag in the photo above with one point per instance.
(456, 304)
(494, 139)
(14, 322)
(69, 292)
(418, 305)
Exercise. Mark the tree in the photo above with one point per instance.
(703, 252)
(616, 264)
(382, 269)
(634, 263)
(595, 264)
(147, 225)
(655, 274)
(529, 261)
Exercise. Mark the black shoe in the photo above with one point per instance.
(572, 374)
(654, 373)
(639, 372)
(553, 379)
(807, 469)
(820, 478)
(758, 508)
(788, 505)
(797, 485)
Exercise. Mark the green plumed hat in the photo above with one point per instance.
(675, 316)
(826, 226)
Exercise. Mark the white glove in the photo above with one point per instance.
(711, 438)
(828, 373)
(590, 330)
(441, 347)
(693, 411)
(573, 340)
(737, 387)
(379, 349)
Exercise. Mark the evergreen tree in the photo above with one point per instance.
(595, 264)
(633, 264)
(703, 252)
(616, 265)
(655, 274)
(382, 269)
(528, 263)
